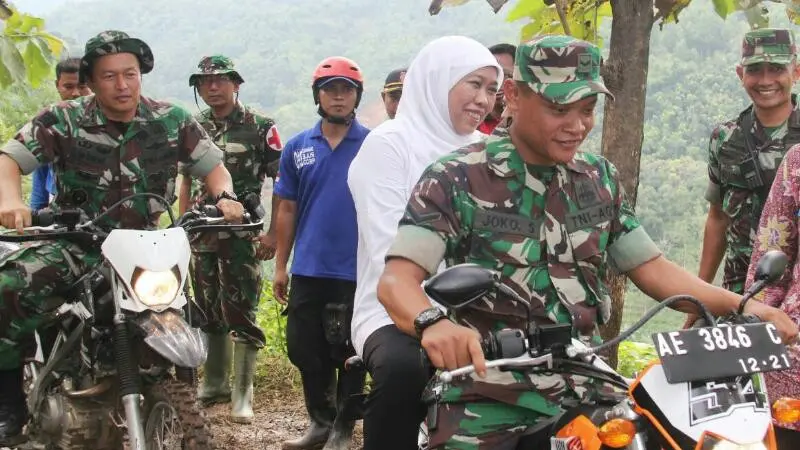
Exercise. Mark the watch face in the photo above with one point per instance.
(428, 315)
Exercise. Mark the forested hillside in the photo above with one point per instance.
(276, 43)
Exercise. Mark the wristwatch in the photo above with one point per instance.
(226, 194)
(427, 318)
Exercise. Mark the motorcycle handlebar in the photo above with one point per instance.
(74, 224)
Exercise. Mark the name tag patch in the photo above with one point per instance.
(506, 223)
(589, 217)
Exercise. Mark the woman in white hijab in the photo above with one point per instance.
(448, 90)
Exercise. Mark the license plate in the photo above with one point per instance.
(719, 352)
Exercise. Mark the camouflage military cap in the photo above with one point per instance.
(215, 65)
(113, 41)
(772, 45)
(560, 68)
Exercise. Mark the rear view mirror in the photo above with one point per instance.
(771, 266)
(460, 285)
(769, 269)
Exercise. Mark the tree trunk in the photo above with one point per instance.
(625, 74)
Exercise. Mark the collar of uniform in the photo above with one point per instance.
(503, 158)
(505, 161)
(792, 122)
(93, 116)
(352, 133)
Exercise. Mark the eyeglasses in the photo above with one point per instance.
(207, 80)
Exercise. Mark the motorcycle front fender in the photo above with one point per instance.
(171, 337)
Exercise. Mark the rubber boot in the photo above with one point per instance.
(216, 386)
(349, 386)
(320, 414)
(13, 409)
(244, 367)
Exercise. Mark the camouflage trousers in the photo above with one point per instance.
(227, 287)
(493, 412)
(32, 282)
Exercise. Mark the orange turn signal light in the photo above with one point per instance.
(786, 410)
(617, 433)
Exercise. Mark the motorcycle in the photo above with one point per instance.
(115, 365)
(705, 392)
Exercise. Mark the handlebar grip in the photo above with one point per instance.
(506, 343)
(211, 211)
(252, 204)
(42, 218)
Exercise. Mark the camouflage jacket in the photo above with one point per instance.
(735, 184)
(548, 230)
(96, 163)
(250, 143)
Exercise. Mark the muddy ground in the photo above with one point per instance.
(280, 416)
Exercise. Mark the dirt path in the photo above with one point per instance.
(280, 416)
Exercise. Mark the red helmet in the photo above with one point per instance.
(338, 66)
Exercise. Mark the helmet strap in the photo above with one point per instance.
(336, 120)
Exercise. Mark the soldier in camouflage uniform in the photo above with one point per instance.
(103, 147)
(226, 268)
(743, 154)
(550, 220)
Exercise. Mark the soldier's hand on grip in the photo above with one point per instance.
(451, 346)
(15, 215)
(232, 210)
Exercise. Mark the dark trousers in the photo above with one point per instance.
(311, 350)
(394, 409)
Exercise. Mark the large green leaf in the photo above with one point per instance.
(12, 65)
(524, 9)
(38, 61)
(724, 7)
(27, 52)
(54, 44)
(30, 23)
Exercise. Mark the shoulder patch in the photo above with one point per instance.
(273, 139)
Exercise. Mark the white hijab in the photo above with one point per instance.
(394, 155)
(423, 116)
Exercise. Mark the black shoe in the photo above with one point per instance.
(12, 420)
(13, 409)
(321, 412)
(350, 384)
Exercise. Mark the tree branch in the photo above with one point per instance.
(5, 11)
(562, 16)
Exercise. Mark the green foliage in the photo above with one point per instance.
(633, 357)
(585, 17)
(27, 52)
(17, 104)
(276, 44)
(270, 319)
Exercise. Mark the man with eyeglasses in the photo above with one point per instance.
(226, 268)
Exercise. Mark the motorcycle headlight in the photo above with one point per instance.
(155, 288)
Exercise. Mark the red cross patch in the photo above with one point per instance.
(273, 139)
